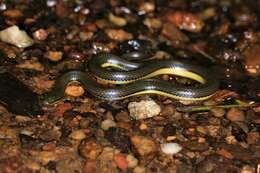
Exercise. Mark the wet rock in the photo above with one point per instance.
(32, 64)
(118, 137)
(13, 35)
(74, 90)
(171, 148)
(171, 32)
(118, 34)
(106, 124)
(40, 34)
(12, 164)
(143, 109)
(235, 152)
(68, 165)
(146, 7)
(54, 55)
(218, 112)
(252, 60)
(213, 163)
(253, 137)
(131, 161)
(247, 169)
(18, 97)
(120, 160)
(186, 21)
(153, 23)
(144, 147)
(90, 149)
(235, 114)
(196, 146)
(168, 110)
(119, 21)
(78, 135)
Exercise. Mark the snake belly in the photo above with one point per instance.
(136, 79)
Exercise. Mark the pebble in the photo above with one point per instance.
(153, 23)
(146, 7)
(78, 134)
(171, 148)
(185, 21)
(74, 90)
(31, 65)
(143, 145)
(235, 114)
(247, 169)
(253, 137)
(131, 161)
(120, 160)
(143, 109)
(168, 110)
(90, 149)
(40, 34)
(139, 169)
(13, 13)
(170, 31)
(218, 112)
(252, 60)
(13, 35)
(85, 35)
(118, 34)
(54, 55)
(106, 124)
(119, 21)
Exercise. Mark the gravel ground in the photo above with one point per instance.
(41, 40)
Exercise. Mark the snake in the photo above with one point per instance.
(136, 78)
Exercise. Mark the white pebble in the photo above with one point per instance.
(143, 109)
(171, 148)
(13, 35)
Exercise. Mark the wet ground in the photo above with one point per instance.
(41, 40)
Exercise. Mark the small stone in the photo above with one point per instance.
(40, 34)
(54, 55)
(13, 35)
(78, 135)
(218, 112)
(252, 138)
(74, 90)
(153, 23)
(119, 21)
(121, 161)
(106, 124)
(146, 7)
(90, 166)
(143, 145)
(90, 149)
(231, 140)
(168, 110)
(235, 114)
(186, 21)
(85, 35)
(118, 34)
(131, 161)
(171, 32)
(139, 169)
(13, 13)
(247, 169)
(143, 109)
(171, 148)
(252, 60)
(31, 65)
(223, 152)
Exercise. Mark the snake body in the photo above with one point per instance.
(136, 79)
